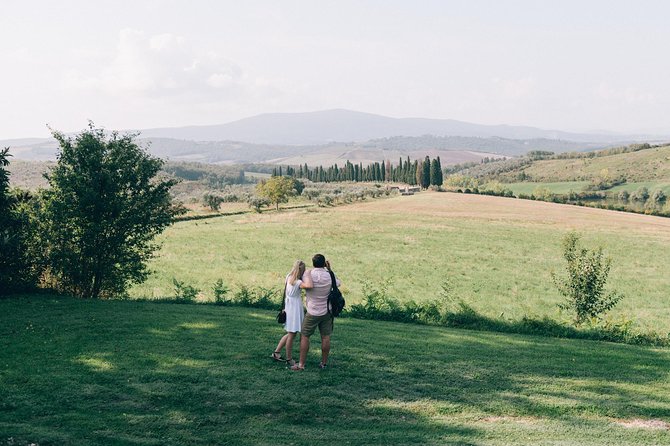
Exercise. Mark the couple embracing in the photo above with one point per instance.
(317, 283)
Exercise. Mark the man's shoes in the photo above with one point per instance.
(323, 366)
(297, 368)
(290, 362)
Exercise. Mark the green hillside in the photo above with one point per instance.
(645, 165)
(84, 373)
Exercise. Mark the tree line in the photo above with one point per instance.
(92, 231)
(424, 173)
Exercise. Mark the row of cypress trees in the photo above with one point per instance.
(424, 173)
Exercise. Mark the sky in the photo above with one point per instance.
(585, 65)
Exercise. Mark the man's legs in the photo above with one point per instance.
(325, 349)
(304, 348)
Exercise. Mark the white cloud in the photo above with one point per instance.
(164, 66)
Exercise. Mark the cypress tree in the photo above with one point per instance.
(434, 173)
(418, 173)
(425, 174)
(440, 177)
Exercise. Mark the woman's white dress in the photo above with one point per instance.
(293, 307)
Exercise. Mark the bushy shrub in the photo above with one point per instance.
(230, 198)
(311, 193)
(461, 181)
(298, 186)
(641, 194)
(212, 201)
(258, 297)
(658, 197)
(220, 290)
(184, 292)
(326, 200)
(256, 203)
(543, 194)
(585, 280)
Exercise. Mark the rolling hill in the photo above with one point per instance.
(650, 164)
(643, 165)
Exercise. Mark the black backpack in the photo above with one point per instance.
(335, 298)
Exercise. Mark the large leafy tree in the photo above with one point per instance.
(5, 201)
(276, 189)
(102, 212)
(9, 242)
(18, 269)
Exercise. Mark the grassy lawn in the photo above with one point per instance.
(497, 252)
(140, 373)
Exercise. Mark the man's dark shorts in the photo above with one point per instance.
(309, 324)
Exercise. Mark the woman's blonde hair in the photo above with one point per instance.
(295, 273)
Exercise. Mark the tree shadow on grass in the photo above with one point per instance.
(140, 373)
(495, 368)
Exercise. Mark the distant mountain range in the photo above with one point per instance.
(321, 127)
(333, 136)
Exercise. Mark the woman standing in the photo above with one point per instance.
(294, 310)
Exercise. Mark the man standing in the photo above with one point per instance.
(317, 312)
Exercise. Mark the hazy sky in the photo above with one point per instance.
(569, 65)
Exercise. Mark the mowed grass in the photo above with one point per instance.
(497, 252)
(83, 373)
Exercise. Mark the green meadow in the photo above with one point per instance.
(564, 187)
(497, 253)
(650, 185)
(76, 372)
